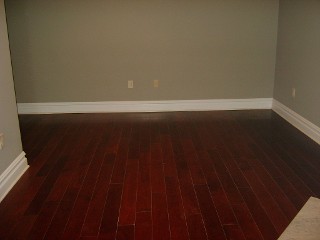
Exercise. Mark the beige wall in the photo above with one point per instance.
(80, 50)
(298, 57)
(8, 111)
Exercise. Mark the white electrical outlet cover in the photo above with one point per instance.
(130, 84)
(155, 83)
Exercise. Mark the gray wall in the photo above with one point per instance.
(298, 57)
(80, 50)
(8, 111)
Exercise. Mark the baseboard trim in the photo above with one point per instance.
(304, 125)
(12, 174)
(145, 106)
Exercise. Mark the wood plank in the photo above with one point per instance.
(127, 213)
(177, 218)
(109, 222)
(125, 232)
(196, 227)
(143, 226)
(160, 221)
(209, 213)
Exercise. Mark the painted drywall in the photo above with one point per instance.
(84, 51)
(298, 57)
(9, 124)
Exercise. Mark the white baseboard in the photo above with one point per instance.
(12, 174)
(145, 106)
(305, 126)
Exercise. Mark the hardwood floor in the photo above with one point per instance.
(186, 175)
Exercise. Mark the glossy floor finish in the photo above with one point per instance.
(188, 175)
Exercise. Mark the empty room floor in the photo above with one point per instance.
(181, 175)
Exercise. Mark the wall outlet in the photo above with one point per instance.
(130, 84)
(293, 93)
(1, 141)
(155, 83)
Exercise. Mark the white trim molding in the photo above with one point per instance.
(145, 106)
(12, 174)
(304, 125)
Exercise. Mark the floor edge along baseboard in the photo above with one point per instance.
(299, 122)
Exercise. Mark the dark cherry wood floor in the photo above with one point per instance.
(187, 175)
